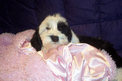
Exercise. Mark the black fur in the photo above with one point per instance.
(101, 44)
(63, 28)
(36, 41)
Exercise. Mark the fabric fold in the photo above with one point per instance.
(80, 62)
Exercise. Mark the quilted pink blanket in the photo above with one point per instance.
(19, 61)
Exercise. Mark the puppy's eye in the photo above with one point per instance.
(48, 28)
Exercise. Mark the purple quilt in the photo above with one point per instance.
(96, 18)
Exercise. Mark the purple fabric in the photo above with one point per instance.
(96, 18)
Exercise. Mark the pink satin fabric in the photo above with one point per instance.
(80, 62)
(19, 61)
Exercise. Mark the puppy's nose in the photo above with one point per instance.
(54, 38)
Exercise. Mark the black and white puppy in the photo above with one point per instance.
(54, 31)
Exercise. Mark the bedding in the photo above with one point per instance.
(19, 61)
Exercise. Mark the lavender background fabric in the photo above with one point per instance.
(96, 18)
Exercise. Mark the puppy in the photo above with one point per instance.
(54, 32)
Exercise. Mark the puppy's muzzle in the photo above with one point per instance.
(54, 38)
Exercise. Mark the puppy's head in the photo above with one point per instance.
(53, 32)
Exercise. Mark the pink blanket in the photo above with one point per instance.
(19, 61)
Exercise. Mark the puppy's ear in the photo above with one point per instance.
(36, 41)
(65, 29)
